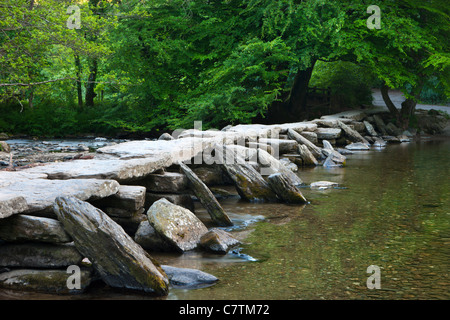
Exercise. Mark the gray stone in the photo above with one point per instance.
(289, 164)
(28, 228)
(311, 136)
(308, 158)
(270, 165)
(166, 136)
(404, 138)
(147, 237)
(316, 151)
(281, 146)
(323, 184)
(328, 133)
(206, 198)
(183, 200)
(38, 255)
(218, 241)
(131, 198)
(392, 129)
(329, 163)
(357, 146)
(185, 278)
(284, 190)
(40, 194)
(4, 147)
(334, 155)
(380, 124)
(45, 281)
(327, 145)
(171, 182)
(211, 175)
(379, 143)
(355, 115)
(119, 260)
(11, 204)
(370, 129)
(3, 136)
(176, 225)
(353, 135)
(250, 185)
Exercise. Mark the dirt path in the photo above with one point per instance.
(397, 98)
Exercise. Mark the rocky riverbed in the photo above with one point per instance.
(105, 207)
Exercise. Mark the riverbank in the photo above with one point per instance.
(139, 173)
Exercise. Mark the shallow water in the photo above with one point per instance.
(392, 210)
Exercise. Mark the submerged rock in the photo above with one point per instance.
(250, 185)
(177, 225)
(307, 157)
(357, 146)
(119, 260)
(45, 281)
(284, 190)
(218, 241)
(323, 184)
(186, 278)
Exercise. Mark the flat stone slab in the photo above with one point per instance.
(172, 151)
(357, 146)
(22, 227)
(114, 169)
(357, 115)
(328, 133)
(38, 255)
(40, 194)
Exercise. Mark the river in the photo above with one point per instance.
(391, 210)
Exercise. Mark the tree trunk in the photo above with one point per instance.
(408, 108)
(90, 86)
(387, 100)
(299, 91)
(78, 74)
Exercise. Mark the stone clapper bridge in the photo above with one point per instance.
(105, 214)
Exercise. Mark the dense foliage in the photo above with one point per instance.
(141, 66)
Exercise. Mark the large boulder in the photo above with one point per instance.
(177, 225)
(119, 260)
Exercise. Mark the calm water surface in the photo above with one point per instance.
(392, 210)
